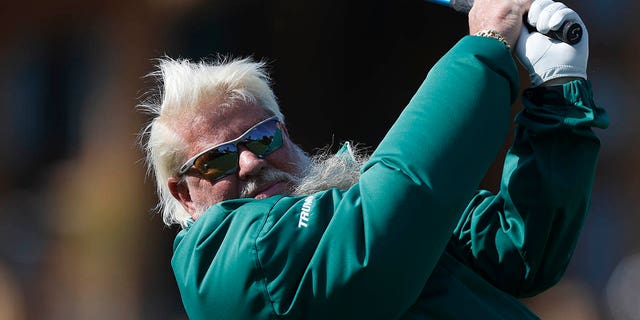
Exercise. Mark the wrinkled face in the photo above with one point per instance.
(255, 178)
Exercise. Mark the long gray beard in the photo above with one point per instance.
(326, 171)
(321, 172)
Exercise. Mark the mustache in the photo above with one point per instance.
(267, 177)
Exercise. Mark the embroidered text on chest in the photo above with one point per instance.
(304, 213)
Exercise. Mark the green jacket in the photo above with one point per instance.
(384, 249)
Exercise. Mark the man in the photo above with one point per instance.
(269, 233)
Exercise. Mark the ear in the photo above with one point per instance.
(180, 190)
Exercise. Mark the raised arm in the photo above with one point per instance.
(522, 239)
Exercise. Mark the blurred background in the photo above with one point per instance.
(78, 237)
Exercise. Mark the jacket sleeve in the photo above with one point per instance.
(366, 253)
(522, 238)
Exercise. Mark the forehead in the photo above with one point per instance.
(217, 125)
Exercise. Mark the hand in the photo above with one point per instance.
(503, 16)
(547, 59)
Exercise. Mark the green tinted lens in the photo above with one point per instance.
(265, 141)
(218, 162)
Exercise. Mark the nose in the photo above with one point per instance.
(249, 164)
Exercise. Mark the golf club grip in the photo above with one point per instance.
(570, 32)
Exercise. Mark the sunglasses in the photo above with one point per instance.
(218, 161)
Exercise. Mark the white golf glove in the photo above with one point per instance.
(546, 58)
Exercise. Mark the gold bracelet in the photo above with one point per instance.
(490, 33)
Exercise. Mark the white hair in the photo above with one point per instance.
(328, 170)
(185, 87)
